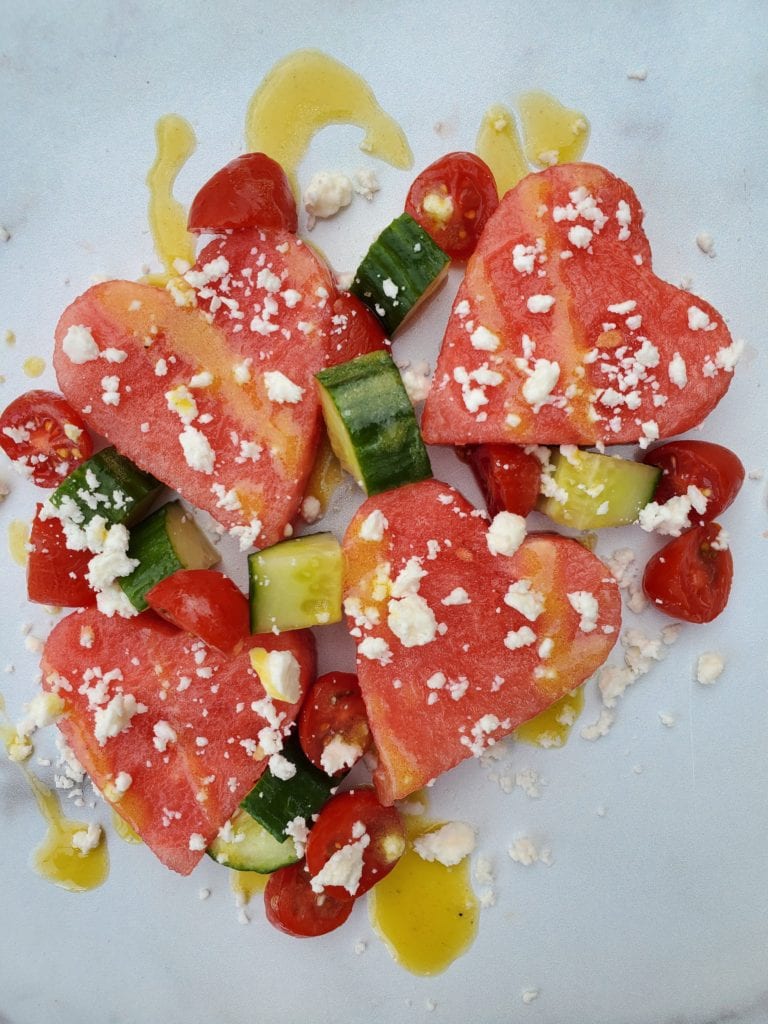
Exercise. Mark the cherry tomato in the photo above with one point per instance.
(354, 330)
(55, 574)
(715, 470)
(294, 908)
(252, 191)
(333, 710)
(356, 817)
(44, 435)
(206, 603)
(508, 476)
(452, 199)
(690, 578)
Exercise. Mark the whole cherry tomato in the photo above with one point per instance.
(252, 191)
(205, 603)
(352, 818)
(294, 908)
(333, 714)
(55, 573)
(509, 477)
(452, 199)
(44, 436)
(690, 578)
(715, 470)
(355, 331)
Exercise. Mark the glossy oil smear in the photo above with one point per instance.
(18, 538)
(176, 142)
(552, 727)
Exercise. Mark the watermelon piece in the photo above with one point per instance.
(448, 656)
(182, 789)
(219, 401)
(561, 332)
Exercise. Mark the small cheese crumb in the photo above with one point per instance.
(79, 346)
(373, 526)
(87, 839)
(505, 534)
(709, 667)
(326, 194)
(281, 389)
(540, 303)
(448, 845)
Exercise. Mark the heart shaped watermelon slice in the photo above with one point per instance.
(456, 645)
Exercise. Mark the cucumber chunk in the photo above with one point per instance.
(371, 423)
(399, 271)
(108, 485)
(249, 847)
(165, 542)
(591, 490)
(296, 584)
(274, 802)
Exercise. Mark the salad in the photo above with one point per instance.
(197, 712)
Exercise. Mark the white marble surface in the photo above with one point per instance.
(656, 912)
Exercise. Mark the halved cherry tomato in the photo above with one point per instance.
(252, 191)
(452, 199)
(206, 603)
(334, 710)
(715, 470)
(294, 908)
(44, 436)
(354, 329)
(56, 574)
(690, 578)
(356, 817)
(509, 477)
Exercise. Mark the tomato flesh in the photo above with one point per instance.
(333, 710)
(355, 331)
(44, 436)
(56, 574)
(251, 191)
(690, 578)
(716, 471)
(206, 603)
(508, 476)
(452, 199)
(356, 817)
(294, 908)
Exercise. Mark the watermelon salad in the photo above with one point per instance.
(197, 710)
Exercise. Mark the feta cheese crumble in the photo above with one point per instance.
(448, 845)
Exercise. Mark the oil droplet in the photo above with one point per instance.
(18, 538)
(308, 90)
(34, 366)
(175, 141)
(552, 727)
(123, 829)
(10, 337)
(244, 884)
(553, 134)
(498, 144)
(326, 475)
(426, 913)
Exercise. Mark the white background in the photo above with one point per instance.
(656, 912)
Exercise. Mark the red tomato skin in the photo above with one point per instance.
(472, 188)
(333, 829)
(205, 603)
(333, 707)
(251, 191)
(43, 415)
(355, 331)
(688, 578)
(715, 470)
(508, 476)
(55, 574)
(293, 908)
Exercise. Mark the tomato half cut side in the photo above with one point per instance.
(333, 724)
(690, 578)
(55, 573)
(355, 331)
(205, 603)
(452, 199)
(509, 477)
(293, 907)
(357, 839)
(44, 436)
(715, 470)
(251, 191)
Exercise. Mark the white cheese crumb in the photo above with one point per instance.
(79, 346)
(366, 184)
(412, 620)
(524, 851)
(281, 389)
(345, 866)
(116, 717)
(639, 75)
(540, 303)
(448, 845)
(87, 839)
(706, 243)
(373, 526)
(457, 596)
(530, 994)
(505, 534)
(326, 194)
(601, 727)
(585, 604)
(709, 667)
(197, 842)
(338, 754)
(484, 340)
(539, 386)
(198, 453)
(375, 648)
(298, 831)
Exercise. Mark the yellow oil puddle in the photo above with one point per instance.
(176, 142)
(18, 538)
(34, 366)
(552, 727)
(552, 133)
(245, 884)
(307, 91)
(426, 913)
(498, 144)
